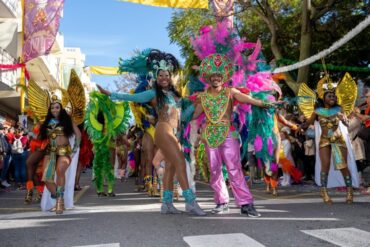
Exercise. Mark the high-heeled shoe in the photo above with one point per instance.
(169, 208)
(349, 198)
(149, 187)
(28, 198)
(274, 192)
(59, 207)
(194, 208)
(38, 197)
(325, 196)
(268, 190)
(155, 191)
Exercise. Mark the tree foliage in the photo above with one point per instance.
(283, 26)
(183, 25)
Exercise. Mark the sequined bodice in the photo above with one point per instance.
(218, 116)
(54, 132)
(217, 108)
(54, 129)
(328, 120)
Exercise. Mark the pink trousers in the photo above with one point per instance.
(229, 153)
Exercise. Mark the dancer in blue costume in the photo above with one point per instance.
(166, 101)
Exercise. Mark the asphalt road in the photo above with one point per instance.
(296, 218)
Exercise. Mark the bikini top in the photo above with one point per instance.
(54, 129)
(328, 117)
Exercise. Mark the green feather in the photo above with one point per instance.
(115, 124)
(137, 64)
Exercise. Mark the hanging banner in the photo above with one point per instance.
(184, 4)
(104, 70)
(41, 24)
(224, 9)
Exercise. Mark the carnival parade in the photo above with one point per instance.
(246, 124)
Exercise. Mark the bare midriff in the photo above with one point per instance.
(170, 117)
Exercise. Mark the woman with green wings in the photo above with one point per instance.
(166, 101)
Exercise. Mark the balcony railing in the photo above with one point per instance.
(8, 77)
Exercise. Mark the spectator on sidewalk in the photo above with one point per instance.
(10, 135)
(287, 149)
(364, 133)
(357, 144)
(18, 154)
(5, 153)
(309, 153)
(85, 157)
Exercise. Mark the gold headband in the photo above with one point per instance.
(60, 96)
(325, 85)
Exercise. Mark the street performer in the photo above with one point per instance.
(221, 137)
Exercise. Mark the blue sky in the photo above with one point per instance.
(108, 29)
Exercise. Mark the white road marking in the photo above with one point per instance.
(307, 200)
(100, 245)
(87, 210)
(130, 194)
(138, 199)
(260, 210)
(345, 237)
(221, 240)
(266, 218)
(16, 224)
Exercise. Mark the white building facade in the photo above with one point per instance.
(48, 71)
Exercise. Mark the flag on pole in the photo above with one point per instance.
(41, 24)
(183, 4)
(224, 9)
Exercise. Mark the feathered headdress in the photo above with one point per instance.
(216, 64)
(148, 62)
(222, 39)
(158, 60)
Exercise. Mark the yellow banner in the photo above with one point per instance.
(183, 4)
(104, 70)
